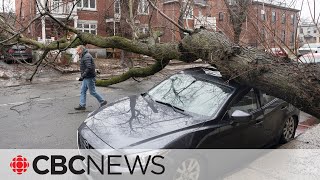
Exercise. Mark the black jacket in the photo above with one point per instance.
(87, 66)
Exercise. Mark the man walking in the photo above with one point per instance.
(88, 74)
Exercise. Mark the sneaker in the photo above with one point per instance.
(80, 108)
(103, 103)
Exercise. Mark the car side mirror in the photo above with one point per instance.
(239, 116)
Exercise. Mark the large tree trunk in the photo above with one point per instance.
(297, 84)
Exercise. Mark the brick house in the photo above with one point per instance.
(265, 21)
(271, 25)
(87, 16)
(267, 25)
(309, 33)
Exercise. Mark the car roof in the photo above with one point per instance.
(312, 55)
(211, 74)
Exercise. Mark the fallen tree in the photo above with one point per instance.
(297, 84)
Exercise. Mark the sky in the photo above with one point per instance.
(305, 13)
(297, 4)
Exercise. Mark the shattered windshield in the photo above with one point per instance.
(191, 95)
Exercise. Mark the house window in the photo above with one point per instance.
(188, 13)
(55, 6)
(315, 31)
(292, 37)
(283, 18)
(89, 27)
(274, 18)
(283, 36)
(263, 15)
(117, 7)
(263, 35)
(232, 2)
(220, 16)
(293, 18)
(301, 30)
(87, 4)
(143, 7)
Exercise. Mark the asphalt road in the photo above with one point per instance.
(42, 116)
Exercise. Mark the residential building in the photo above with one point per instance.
(272, 24)
(268, 24)
(86, 15)
(309, 33)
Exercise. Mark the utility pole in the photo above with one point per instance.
(314, 9)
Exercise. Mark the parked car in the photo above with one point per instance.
(278, 52)
(193, 109)
(309, 48)
(310, 58)
(16, 53)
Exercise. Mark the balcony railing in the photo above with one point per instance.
(198, 2)
(62, 7)
(207, 22)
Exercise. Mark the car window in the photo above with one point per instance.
(265, 99)
(247, 103)
(191, 94)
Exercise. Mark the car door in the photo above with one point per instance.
(252, 134)
(274, 111)
(241, 135)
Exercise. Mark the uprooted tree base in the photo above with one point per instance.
(297, 84)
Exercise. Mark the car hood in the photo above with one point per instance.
(134, 120)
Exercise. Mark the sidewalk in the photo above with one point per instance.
(306, 122)
(298, 159)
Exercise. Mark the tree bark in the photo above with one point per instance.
(296, 84)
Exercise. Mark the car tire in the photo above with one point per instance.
(8, 61)
(197, 172)
(288, 130)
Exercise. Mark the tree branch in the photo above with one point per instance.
(135, 72)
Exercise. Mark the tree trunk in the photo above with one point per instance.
(296, 84)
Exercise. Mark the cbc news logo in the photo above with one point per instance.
(19, 164)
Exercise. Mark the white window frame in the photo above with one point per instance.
(143, 7)
(90, 23)
(80, 5)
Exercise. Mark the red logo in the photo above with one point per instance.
(19, 164)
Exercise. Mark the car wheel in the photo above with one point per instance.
(8, 61)
(288, 130)
(190, 169)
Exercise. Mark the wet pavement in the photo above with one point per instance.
(41, 115)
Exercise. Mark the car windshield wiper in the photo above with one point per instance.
(168, 104)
